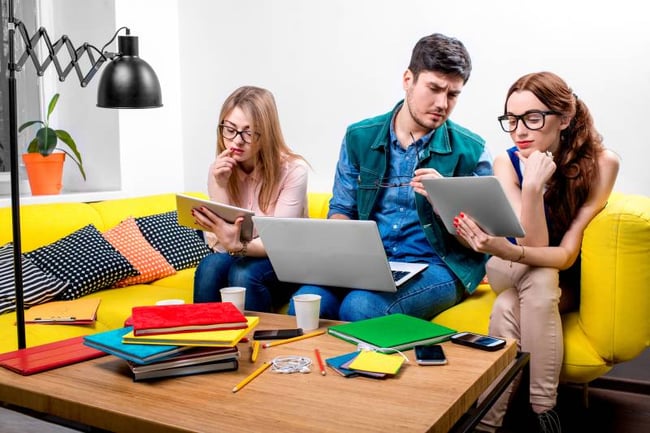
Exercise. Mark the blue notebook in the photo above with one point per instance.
(111, 343)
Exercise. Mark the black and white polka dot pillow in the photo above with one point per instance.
(181, 246)
(85, 259)
(38, 286)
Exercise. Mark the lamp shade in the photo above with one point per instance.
(128, 81)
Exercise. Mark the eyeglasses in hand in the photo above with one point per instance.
(533, 120)
(394, 181)
(230, 133)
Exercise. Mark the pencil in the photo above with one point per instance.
(320, 362)
(255, 350)
(252, 376)
(291, 340)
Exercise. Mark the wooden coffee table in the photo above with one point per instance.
(101, 393)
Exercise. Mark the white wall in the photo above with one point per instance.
(334, 62)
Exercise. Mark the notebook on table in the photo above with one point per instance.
(481, 197)
(48, 356)
(332, 252)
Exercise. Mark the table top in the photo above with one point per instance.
(102, 393)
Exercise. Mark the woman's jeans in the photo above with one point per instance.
(263, 290)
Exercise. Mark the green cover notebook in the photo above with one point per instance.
(395, 331)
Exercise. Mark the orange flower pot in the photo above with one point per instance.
(45, 173)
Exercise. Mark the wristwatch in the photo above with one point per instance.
(241, 252)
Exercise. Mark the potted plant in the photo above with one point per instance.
(45, 166)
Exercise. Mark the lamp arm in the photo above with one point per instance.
(53, 49)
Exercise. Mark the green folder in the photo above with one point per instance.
(393, 332)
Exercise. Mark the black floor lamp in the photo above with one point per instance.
(127, 82)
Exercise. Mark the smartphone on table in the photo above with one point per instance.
(276, 334)
(430, 355)
(478, 341)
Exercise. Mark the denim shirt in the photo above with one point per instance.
(396, 214)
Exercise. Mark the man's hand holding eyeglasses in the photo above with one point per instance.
(423, 173)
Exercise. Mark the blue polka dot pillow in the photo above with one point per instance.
(85, 259)
(181, 246)
(38, 286)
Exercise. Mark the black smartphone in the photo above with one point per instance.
(276, 334)
(478, 341)
(430, 355)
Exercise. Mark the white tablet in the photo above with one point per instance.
(185, 204)
(480, 197)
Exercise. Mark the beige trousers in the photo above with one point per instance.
(526, 309)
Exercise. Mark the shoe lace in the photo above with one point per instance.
(549, 422)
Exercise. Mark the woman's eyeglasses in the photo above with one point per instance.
(533, 120)
(230, 133)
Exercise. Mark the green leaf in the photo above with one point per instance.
(81, 169)
(46, 140)
(51, 106)
(30, 123)
(67, 139)
(33, 146)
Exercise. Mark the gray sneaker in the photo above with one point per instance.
(549, 422)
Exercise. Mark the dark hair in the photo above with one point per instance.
(440, 53)
(577, 154)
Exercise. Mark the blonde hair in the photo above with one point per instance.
(259, 105)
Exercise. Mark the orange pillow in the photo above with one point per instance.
(127, 238)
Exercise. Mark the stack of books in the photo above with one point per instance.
(178, 340)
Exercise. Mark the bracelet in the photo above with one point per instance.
(521, 256)
(242, 252)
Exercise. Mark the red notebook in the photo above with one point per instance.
(169, 319)
(48, 356)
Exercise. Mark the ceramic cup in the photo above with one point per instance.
(236, 295)
(307, 308)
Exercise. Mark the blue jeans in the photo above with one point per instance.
(263, 290)
(427, 294)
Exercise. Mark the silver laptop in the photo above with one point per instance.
(338, 253)
(480, 197)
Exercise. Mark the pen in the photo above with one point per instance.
(291, 340)
(320, 362)
(252, 376)
(255, 350)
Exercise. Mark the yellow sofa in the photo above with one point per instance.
(611, 326)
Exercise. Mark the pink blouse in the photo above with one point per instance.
(290, 200)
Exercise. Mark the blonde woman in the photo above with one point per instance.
(254, 169)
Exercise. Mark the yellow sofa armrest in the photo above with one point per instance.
(615, 280)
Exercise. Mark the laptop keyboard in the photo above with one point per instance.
(397, 275)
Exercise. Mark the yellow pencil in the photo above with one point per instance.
(252, 376)
(291, 340)
(255, 351)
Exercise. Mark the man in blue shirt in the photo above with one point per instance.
(378, 177)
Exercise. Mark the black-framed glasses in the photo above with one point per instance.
(231, 133)
(533, 120)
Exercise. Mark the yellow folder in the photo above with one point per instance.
(75, 312)
(220, 338)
